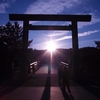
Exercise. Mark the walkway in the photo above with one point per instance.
(44, 86)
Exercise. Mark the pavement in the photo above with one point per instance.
(44, 86)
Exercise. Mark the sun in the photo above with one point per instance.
(51, 46)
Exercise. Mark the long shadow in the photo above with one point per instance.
(66, 96)
(46, 92)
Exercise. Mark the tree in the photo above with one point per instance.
(11, 35)
(97, 44)
(10, 47)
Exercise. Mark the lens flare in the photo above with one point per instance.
(51, 46)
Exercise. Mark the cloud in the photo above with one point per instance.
(61, 33)
(50, 6)
(5, 4)
(88, 33)
(79, 35)
(57, 33)
(94, 19)
(3, 7)
(42, 44)
(58, 6)
(63, 38)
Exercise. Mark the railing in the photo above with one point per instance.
(65, 64)
(34, 66)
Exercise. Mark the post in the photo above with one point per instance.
(75, 49)
(24, 67)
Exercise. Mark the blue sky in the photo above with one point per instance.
(88, 32)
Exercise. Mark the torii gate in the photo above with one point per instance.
(49, 17)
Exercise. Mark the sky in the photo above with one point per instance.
(88, 32)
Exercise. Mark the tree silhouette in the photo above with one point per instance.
(10, 47)
(11, 35)
(97, 44)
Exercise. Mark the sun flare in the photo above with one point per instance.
(51, 46)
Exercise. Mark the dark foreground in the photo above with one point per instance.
(44, 86)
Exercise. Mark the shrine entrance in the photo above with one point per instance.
(49, 17)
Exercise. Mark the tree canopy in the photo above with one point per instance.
(11, 35)
(10, 47)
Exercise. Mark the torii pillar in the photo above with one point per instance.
(39, 17)
(75, 49)
(24, 67)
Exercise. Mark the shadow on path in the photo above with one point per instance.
(46, 92)
(67, 96)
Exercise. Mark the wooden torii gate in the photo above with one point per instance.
(49, 17)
